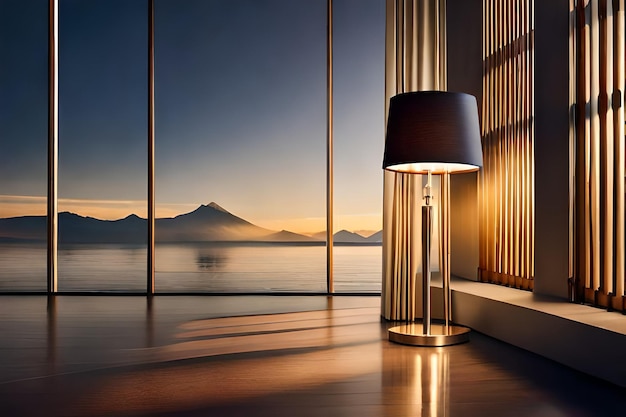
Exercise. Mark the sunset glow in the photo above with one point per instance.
(17, 206)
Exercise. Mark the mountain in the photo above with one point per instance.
(208, 223)
(26, 228)
(344, 236)
(74, 228)
(376, 237)
(287, 236)
(319, 236)
(78, 229)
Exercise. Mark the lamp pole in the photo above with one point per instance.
(427, 211)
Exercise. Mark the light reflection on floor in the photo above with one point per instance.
(278, 356)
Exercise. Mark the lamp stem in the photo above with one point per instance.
(426, 241)
(427, 189)
(426, 226)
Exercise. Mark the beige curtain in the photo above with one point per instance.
(415, 60)
(598, 131)
(506, 182)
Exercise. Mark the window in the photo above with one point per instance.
(102, 145)
(23, 144)
(359, 111)
(240, 145)
(241, 128)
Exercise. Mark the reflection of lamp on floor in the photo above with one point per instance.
(433, 132)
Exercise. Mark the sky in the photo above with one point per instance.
(240, 99)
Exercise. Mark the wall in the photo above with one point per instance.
(552, 148)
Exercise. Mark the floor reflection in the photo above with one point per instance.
(269, 356)
(51, 334)
(417, 377)
(149, 322)
(230, 361)
(437, 369)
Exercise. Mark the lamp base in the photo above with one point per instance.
(412, 334)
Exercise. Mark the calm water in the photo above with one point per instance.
(193, 267)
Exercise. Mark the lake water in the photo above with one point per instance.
(193, 268)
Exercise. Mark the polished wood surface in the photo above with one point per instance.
(263, 356)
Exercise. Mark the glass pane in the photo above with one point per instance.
(359, 118)
(102, 144)
(23, 144)
(240, 145)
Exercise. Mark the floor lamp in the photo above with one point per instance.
(433, 132)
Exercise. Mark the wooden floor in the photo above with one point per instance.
(263, 356)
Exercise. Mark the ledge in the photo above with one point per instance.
(585, 338)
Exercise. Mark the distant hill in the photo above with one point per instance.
(376, 237)
(208, 223)
(27, 228)
(78, 229)
(287, 236)
(346, 237)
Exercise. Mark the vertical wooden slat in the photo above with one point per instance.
(502, 126)
(490, 183)
(594, 145)
(598, 45)
(525, 31)
(600, 142)
(483, 175)
(517, 133)
(505, 124)
(518, 143)
(522, 70)
(580, 259)
(493, 210)
(606, 149)
(528, 114)
(609, 256)
(573, 180)
(586, 21)
(506, 183)
(620, 160)
(529, 155)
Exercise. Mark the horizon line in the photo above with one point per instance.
(363, 224)
(201, 205)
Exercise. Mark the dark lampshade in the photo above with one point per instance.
(434, 131)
